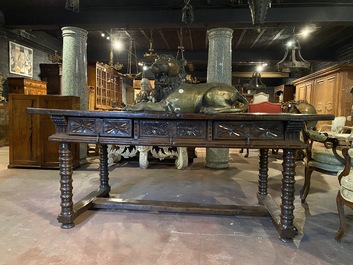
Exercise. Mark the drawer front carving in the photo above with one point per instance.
(192, 129)
(100, 127)
(249, 130)
(82, 126)
(156, 128)
(121, 128)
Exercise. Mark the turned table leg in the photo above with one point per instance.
(287, 229)
(263, 172)
(66, 215)
(103, 170)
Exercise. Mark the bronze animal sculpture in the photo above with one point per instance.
(205, 98)
(169, 73)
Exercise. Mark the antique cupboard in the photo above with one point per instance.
(328, 90)
(107, 87)
(51, 73)
(26, 86)
(28, 134)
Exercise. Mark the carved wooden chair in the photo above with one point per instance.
(321, 155)
(263, 107)
(345, 192)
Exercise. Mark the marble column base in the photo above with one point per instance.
(217, 157)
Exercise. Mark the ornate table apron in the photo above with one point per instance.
(241, 130)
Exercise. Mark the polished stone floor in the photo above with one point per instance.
(31, 235)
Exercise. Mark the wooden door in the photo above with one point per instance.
(23, 131)
(324, 94)
(304, 91)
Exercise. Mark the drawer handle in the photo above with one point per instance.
(230, 131)
(267, 132)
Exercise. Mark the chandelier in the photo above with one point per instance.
(292, 60)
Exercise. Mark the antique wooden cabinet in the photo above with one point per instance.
(26, 86)
(284, 93)
(28, 134)
(51, 73)
(107, 86)
(328, 90)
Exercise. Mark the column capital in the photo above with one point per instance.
(219, 33)
(70, 31)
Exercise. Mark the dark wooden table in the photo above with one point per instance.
(244, 130)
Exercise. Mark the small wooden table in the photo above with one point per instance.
(243, 130)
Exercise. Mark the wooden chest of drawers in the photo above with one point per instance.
(27, 86)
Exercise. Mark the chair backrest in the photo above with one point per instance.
(265, 107)
(338, 123)
(260, 97)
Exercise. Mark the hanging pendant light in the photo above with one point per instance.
(73, 5)
(151, 54)
(292, 60)
(256, 82)
(258, 9)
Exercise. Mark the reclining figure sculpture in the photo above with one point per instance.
(194, 98)
(206, 98)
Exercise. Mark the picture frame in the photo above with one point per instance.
(20, 59)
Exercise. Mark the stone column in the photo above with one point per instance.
(219, 69)
(74, 70)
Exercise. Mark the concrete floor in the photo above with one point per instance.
(30, 233)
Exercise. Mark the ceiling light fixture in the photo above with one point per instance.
(151, 54)
(256, 82)
(258, 10)
(187, 16)
(292, 60)
(73, 5)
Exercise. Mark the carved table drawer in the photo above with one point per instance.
(249, 130)
(100, 127)
(185, 129)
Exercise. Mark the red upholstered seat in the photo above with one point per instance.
(265, 107)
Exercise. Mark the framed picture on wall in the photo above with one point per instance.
(21, 59)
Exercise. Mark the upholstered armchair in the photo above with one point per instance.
(321, 155)
(345, 192)
(335, 127)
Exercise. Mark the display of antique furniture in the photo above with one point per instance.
(345, 193)
(51, 73)
(28, 138)
(107, 86)
(321, 155)
(284, 93)
(263, 107)
(240, 130)
(328, 90)
(26, 86)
